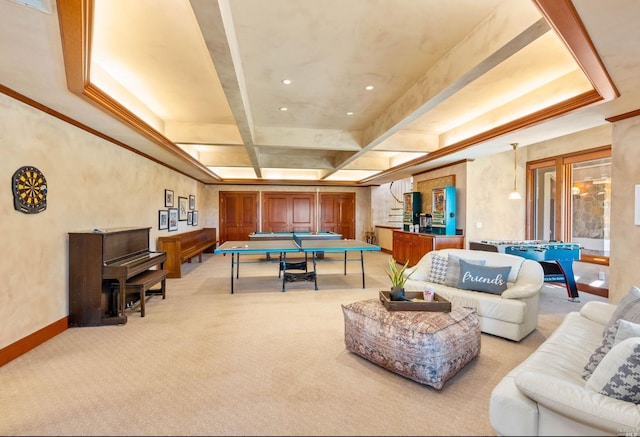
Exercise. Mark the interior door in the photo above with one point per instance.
(238, 215)
(288, 212)
(338, 213)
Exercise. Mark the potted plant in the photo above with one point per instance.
(398, 279)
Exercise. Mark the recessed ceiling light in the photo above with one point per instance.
(286, 81)
(369, 87)
(350, 113)
(283, 108)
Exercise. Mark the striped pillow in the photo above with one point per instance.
(627, 309)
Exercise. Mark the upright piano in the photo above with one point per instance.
(100, 263)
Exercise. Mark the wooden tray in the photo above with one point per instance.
(439, 304)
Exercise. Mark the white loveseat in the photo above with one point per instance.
(512, 315)
(546, 394)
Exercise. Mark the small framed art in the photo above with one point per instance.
(190, 217)
(182, 208)
(173, 219)
(192, 201)
(163, 219)
(194, 222)
(168, 198)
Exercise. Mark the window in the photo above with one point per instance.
(571, 201)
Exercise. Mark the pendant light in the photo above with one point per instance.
(515, 195)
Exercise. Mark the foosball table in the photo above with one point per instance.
(555, 257)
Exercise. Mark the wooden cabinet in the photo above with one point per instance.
(338, 213)
(238, 215)
(384, 238)
(288, 212)
(411, 246)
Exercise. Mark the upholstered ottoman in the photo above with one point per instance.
(427, 347)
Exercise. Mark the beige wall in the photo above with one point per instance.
(587, 139)
(491, 215)
(624, 261)
(91, 184)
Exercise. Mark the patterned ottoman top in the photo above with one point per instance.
(424, 322)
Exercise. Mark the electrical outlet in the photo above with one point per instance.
(601, 276)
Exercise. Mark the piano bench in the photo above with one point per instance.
(143, 282)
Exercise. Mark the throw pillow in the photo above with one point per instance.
(626, 329)
(627, 309)
(601, 350)
(620, 331)
(483, 278)
(618, 374)
(453, 269)
(438, 269)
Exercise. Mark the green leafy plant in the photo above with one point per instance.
(396, 276)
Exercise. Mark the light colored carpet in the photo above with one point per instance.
(258, 362)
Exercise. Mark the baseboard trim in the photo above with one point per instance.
(32, 341)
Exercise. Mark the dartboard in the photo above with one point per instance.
(29, 190)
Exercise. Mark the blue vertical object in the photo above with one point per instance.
(443, 210)
(411, 210)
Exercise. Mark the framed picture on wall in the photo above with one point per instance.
(192, 202)
(168, 198)
(173, 219)
(163, 219)
(190, 217)
(182, 208)
(194, 222)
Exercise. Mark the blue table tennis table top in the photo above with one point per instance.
(293, 245)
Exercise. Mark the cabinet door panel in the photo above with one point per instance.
(275, 214)
(303, 212)
(400, 247)
(426, 245)
(328, 213)
(337, 213)
(347, 219)
(288, 212)
(249, 214)
(231, 210)
(238, 215)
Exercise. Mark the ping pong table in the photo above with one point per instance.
(302, 235)
(295, 245)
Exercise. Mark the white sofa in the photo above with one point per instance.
(512, 315)
(546, 395)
